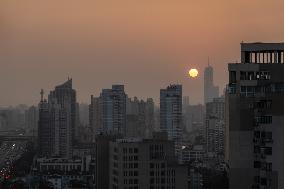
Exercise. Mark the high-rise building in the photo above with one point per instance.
(171, 112)
(215, 126)
(57, 119)
(95, 115)
(107, 113)
(45, 134)
(63, 93)
(194, 117)
(255, 117)
(210, 90)
(113, 107)
(140, 117)
(31, 120)
(145, 163)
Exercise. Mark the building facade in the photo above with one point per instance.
(255, 117)
(210, 90)
(137, 163)
(171, 112)
(57, 120)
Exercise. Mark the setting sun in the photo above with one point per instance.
(193, 72)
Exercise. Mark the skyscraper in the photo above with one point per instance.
(113, 104)
(171, 111)
(57, 119)
(255, 117)
(95, 115)
(210, 91)
(215, 126)
(65, 92)
(31, 120)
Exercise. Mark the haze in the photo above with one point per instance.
(145, 45)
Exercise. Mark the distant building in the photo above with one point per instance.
(210, 90)
(194, 116)
(57, 120)
(95, 115)
(171, 112)
(84, 114)
(107, 113)
(215, 126)
(63, 93)
(255, 117)
(140, 117)
(31, 120)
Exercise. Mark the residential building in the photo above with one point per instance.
(255, 117)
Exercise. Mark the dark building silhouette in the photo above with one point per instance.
(108, 111)
(57, 121)
(140, 117)
(63, 92)
(255, 117)
(210, 91)
(171, 112)
(138, 163)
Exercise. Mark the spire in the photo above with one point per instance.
(41, 95)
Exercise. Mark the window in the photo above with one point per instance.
(256, 164)
(256, 149)
(124, 150)
(135, 165)
(263, 181)
(264, 119)
(268, 151)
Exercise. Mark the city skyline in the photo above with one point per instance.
(104, 43)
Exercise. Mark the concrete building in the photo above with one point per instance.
(31, 120)
(210, 90)
(114, 110)
(95, 115)
(102, 160)
(215, 126)
(171, 112)
(194, 116)
(140, 117)
(57, 120)
(145, 163)
(255, 117)
(107, 113)
(63, 93)
(194, 154)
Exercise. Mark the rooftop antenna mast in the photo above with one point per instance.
(41, 94)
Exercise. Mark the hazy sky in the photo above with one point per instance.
(144, 44)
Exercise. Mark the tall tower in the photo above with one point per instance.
(56, 121)
(113, 107)
(210, 91)
(95, 115)
(255, 117)
(65, 96)
(171, 111)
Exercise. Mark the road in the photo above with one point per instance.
(10, 151)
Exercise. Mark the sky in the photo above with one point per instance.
(145, 45)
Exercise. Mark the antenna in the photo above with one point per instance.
(41, 94)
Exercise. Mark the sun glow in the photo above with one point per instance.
(193, 72)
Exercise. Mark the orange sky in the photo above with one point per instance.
(145, 45)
